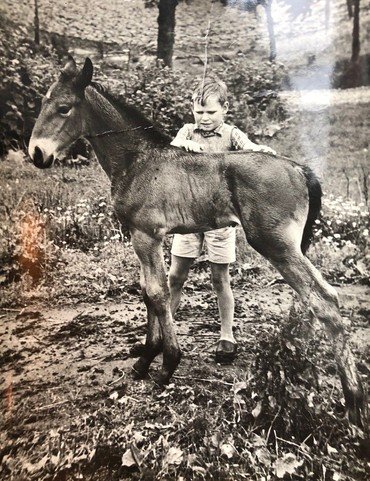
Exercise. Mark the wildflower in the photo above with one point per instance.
(337, 236)
(365, 232)
(317, 221)
(354, 224)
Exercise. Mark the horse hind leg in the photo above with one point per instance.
(322, 300)
(283, 250)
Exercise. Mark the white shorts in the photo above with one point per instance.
(220, 245)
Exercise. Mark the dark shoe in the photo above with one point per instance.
(226, 351)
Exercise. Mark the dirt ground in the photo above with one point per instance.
(60, 364)
(88, 345)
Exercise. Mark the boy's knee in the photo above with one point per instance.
(220, 279)
(176, 279)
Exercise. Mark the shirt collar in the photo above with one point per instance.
(211, 133)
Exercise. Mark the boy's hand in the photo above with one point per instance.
(264, 148)
(189, 146)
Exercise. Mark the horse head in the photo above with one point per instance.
(60, 122)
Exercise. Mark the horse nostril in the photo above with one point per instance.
(38, 158)
(39, 161)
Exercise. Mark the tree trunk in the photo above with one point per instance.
(166, 30)
(270, 27)
(37, 23)
(356, 32)
(350, 8)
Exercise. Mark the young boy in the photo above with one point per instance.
(209, 133)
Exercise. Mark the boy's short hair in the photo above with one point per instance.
(208, 86)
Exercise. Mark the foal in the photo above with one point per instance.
(158, 189)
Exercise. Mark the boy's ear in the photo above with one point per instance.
(225, 107)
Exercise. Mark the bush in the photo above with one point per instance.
(164, 95)
(26, 71)
(342, 239)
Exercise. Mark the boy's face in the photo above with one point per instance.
(210, 115)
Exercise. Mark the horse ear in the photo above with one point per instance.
(84, 78)
(69, 70)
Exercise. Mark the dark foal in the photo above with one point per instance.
(158, 189)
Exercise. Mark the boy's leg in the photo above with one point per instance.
(221, 252)
(225, 299)
(185, 249)
(178, 274)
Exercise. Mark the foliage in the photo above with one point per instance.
(165, 95)
(39, 220)
(343, 231)
(26, 72)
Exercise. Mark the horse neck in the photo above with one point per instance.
(113, 133)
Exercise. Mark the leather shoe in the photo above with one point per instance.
(226, 351)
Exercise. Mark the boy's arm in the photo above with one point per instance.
(241, 141)
(182, 140)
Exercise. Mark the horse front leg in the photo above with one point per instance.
(153, 343)
(157, 299)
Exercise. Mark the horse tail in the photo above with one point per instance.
(314, 206)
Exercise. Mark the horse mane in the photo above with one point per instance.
(153, 130)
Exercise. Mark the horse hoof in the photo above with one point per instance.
(140, 369)
(163, 377)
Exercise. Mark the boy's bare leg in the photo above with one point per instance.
(226, 348)
(225, 299)
(178, 274)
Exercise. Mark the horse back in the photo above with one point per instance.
(169, 190)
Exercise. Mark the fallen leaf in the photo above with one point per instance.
(287, 465)
(174, 456)
(264, 456)
(330, 449)
(128, 459)
(228, 450)
(257, 410)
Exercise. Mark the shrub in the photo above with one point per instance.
(342, 238)
(26, 72)
(165, 95)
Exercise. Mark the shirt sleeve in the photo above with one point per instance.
(183, 134)
(240, 140)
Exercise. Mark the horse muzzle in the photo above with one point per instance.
(42, 153)
(39, 161)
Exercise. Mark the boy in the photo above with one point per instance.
(209, 133)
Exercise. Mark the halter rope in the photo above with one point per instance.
(121, 131)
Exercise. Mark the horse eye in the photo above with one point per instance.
(64, 110)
